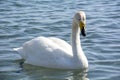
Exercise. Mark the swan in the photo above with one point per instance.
(52, 52)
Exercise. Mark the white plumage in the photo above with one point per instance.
(53, 52)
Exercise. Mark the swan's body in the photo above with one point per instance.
(53, 52)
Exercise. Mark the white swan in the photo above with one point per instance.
(51, 52)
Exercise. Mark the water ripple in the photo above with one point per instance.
(22, 20)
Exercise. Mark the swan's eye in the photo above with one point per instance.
(79, 19)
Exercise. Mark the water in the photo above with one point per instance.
(22, 20)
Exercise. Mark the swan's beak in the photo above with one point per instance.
(82, 28)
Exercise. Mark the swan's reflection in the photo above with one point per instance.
(38, 73)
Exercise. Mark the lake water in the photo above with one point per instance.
(22, 20)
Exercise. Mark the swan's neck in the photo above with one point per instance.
(76, 45)
(75, 39)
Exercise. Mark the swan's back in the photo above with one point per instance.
(63, 44)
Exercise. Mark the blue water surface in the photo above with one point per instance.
(22, 20)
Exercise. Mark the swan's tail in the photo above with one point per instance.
(16, 49)
(20, 51)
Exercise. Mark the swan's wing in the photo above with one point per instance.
(43, 51)
(63, 44)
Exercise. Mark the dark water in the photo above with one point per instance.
(22, 20)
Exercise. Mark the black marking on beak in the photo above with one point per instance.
(83, 32)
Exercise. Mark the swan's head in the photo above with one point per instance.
(80, 20)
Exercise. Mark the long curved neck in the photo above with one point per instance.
(79, 58)
(76, 46)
